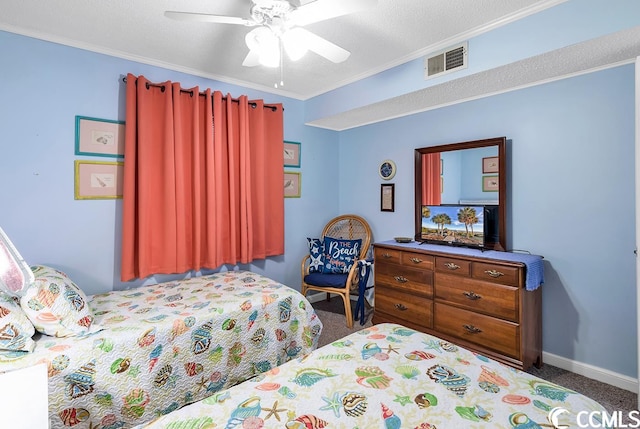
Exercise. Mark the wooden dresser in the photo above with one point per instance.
(478, 302)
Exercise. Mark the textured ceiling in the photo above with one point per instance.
(389, 34)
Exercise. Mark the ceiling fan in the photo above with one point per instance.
(279, 27)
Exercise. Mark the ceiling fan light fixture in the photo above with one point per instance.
(294, 43)
(270, 57)
(263, 41)
(279, 27)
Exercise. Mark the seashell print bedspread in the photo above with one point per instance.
(388, 377)
(171, 344)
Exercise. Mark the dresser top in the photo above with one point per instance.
(463, 251)
(533, 263)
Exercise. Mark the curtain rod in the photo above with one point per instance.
(202, 94)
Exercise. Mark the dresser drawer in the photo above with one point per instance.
(418, 260)
(411, 259)
(502, 274)
(382, 255)
(404, 306)
(452, 265)
(483, 297)
(485, 331)
(405, 279)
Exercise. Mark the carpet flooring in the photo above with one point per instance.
(612, 398)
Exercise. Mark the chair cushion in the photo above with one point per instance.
(316, 253)
(340, 254)
(326, 280)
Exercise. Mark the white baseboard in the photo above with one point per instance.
(593, 372)
(586, 370)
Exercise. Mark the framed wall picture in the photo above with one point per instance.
(98, 180)
(291, 154)
(291, 184)
(387, 196)
(99, 137)
(490, 184)
(490, 164)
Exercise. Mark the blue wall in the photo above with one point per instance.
(567, 23)
(44, 86)
(571, 198)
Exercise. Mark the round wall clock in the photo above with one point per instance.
(387, 169)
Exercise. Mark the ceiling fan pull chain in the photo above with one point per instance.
(281, 64)
(275, 85)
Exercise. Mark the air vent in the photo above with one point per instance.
(446, 61)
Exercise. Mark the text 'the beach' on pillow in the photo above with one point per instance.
(16, 329)
(57, 306)
(340, 254)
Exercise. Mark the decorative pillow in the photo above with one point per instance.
(56, 306)
(16, 329)
(316, 253)
(340, 254)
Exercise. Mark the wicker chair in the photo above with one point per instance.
(350, 227)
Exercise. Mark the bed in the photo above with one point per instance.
(153, 349)
(387, 376)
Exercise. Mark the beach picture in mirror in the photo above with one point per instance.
(455, 174)
(456, 225)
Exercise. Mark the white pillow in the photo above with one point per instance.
(57, 306)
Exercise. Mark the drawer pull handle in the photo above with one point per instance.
(416, 260)
(401, 307)
(471, 295)
(451, 266)
(386, 255)
(493, 273)
(472, 329)
(401, 279)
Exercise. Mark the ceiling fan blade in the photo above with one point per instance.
(252, 59)
(321, 10)
(203, 17)
(321, 46)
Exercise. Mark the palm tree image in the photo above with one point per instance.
(453, 224)
(468, 216)
(441, 220)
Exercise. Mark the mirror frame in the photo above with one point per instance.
(500, 143)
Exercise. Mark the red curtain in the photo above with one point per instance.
(431, 179)
(203, 180)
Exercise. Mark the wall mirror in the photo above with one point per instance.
(460, 186)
